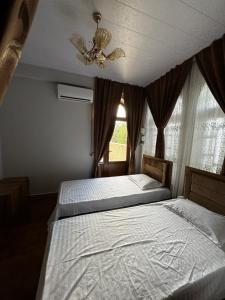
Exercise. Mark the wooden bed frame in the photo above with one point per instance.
(158, 169)
(205, 188)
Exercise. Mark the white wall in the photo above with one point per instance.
(43, 138)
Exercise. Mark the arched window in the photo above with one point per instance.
(117, 150)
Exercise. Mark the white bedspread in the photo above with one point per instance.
(98, 194)
(141, 252)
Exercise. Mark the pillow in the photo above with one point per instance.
(144, 182)
(206, 221)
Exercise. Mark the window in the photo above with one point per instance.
(118, 146)
(208, 146)
(195, 133)
(172, 133)
(202, 142)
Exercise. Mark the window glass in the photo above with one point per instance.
(118, 143)
(121, 112)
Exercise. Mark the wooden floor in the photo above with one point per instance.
(21, 251)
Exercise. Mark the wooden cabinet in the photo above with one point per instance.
(14, 193)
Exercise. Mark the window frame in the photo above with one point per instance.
(106, 154)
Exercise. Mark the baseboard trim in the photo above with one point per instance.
(43, 196)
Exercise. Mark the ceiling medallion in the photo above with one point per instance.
(100, 41)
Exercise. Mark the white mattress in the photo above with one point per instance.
(140, 252)
(98, 194)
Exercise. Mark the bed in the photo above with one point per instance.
(96, 194)
(140, 252)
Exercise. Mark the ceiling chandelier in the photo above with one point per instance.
(100, 41)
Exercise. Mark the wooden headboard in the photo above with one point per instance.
(158, 169)
(205, 188)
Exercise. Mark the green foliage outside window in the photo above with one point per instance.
(120, 133)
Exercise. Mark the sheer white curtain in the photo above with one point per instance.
(190, 94)
(208, 146)
(195, 133)
(173, 137)
(150, 134)
(204, 133)
(174, 133)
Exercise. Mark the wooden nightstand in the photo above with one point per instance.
(14, 193)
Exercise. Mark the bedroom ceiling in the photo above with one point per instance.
(155, 34)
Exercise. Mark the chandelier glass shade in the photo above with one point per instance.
(96, 54)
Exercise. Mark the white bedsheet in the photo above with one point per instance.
(141, 252)
(98, 194)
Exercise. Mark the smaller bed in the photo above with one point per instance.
(99, 194)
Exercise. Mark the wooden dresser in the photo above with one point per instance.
(14, 195)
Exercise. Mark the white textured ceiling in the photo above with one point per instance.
(155, 34)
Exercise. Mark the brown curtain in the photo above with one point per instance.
(107, 96)
(15, 21)
(134, 100)
(162, 96)
(211, 62)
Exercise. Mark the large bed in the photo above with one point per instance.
(96, 194)
(140, 252)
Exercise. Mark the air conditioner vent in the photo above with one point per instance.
(74, 93)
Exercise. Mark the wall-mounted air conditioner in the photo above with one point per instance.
(74, 93)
